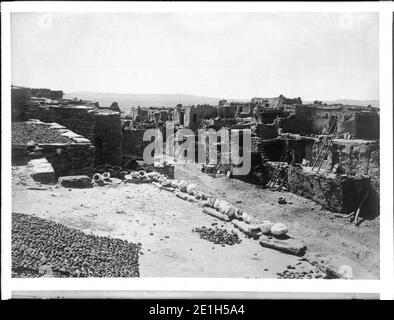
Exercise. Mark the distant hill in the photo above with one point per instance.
(129, 100)
(373, 103)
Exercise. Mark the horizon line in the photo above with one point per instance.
(199, 95)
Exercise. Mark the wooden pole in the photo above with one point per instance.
(359, 207)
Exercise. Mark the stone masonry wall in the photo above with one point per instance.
(356, 157)
(133, 144)
(361, 125)
(73, 158)
(108, 138)
(335, 193)
(359, 157)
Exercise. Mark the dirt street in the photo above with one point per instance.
(163, 224)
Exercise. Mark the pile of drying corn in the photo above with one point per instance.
(290, 274)
(39, 243)
(218, 236)
(23, 132)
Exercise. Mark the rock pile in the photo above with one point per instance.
(218, 236)
(38, 243)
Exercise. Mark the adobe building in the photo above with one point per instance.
(228, 111)
(300, 147)
(264, 114)
(318, 118)
(192, 116)
(321, 116)
(244, 109)
(139, 114)
(356, 157)
(19, 97)
(47, 93)
(159, 114)
(282, 100)
(309, 119)
(258, 100)
(100, 126)
(223, 102)
(359, 125)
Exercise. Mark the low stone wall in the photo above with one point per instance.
(74, 159)
(79, 119)
(336, 193)
(66, 158)
(356, 157)
(359, 157)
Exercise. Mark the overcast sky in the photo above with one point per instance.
(314, 56)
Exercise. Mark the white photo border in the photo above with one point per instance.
(384, 286)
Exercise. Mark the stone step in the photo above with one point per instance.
(42, 171)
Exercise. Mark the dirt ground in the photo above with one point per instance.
(163, 224)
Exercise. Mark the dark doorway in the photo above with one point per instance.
(98, 143)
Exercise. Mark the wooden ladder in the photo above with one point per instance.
(277, 171)
(324, 148)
